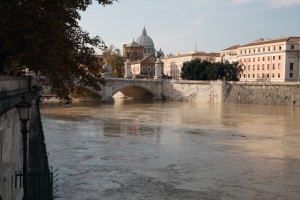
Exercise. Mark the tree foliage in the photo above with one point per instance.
(204, 70)
(112, 56)
(45, 37)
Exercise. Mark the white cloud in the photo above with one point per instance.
(273, 3)
(284, 3)
(238, 2)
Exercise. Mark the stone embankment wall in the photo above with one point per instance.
(12, 88)
(280, 94)
(202, 91)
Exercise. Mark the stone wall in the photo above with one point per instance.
(202, 91)
(280, 94)
(12, 88)
(10, 154)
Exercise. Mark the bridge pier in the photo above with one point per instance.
(158, 97)
(158, 90)
(107, 93)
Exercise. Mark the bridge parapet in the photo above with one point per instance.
(114, 85)
(11, 88)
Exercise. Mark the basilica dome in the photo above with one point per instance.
(144, 40)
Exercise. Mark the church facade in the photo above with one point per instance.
(142, 55)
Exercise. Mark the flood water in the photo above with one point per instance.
(174, 150)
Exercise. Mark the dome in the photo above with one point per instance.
(144, 40)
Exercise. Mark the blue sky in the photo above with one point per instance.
(176, 26)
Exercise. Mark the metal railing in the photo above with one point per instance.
(41, 184)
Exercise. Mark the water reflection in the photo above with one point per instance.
(174, 150)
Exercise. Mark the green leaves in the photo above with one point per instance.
(44, 36)
(113, 57)
(204, 70)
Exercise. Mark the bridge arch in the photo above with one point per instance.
(131, 86)
(135, 91)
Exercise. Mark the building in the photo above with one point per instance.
(142, 55)
(173, 64)
(144, 68)
(275, 60)
(229, 54)
(140, 48)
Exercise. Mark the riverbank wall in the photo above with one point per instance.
(185, 90)
(12, 88)
(262, 93)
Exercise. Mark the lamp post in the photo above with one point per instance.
(23, 108)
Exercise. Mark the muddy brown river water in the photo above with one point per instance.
(174, 150)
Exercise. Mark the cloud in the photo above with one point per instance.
(284, 3)
(272, 3)
(238, 2)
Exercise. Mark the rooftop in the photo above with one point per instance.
(263, 41)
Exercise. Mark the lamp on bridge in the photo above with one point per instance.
(24, 108)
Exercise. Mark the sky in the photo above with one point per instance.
(182, 26)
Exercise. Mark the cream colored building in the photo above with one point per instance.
(229, 54)
(173, 64)
(276, 60)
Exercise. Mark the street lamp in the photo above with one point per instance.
(23, 108)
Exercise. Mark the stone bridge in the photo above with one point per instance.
(157, 88)
(132, 88)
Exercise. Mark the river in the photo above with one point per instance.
(174, 150)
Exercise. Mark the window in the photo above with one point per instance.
(244, 75)
(279, 47)
(253, 59)
(292, 46)
(273, 75)
(257, 67)
(254, 50)
(248, 75)
(263, 75)
(268, 57)
(274, 48)
(278, 65)
(245, 51)
(263, 58)
(291, 75)
(291, 66)
(279, 57)
(248, 67)
(264, 49)
(249, 50)
(257, 75)
(273, 66)
(244, 59)
(269, 49)
(241, 52)
(249, 60)
(268, 76)
(253, 67)
(263, 67)
(258, 49)
(268, 66)
(278, 75)
(258, 59)
(253, 75)
(273, 57)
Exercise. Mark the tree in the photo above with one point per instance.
(113, 57)
(204, 70)
(45, 37)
